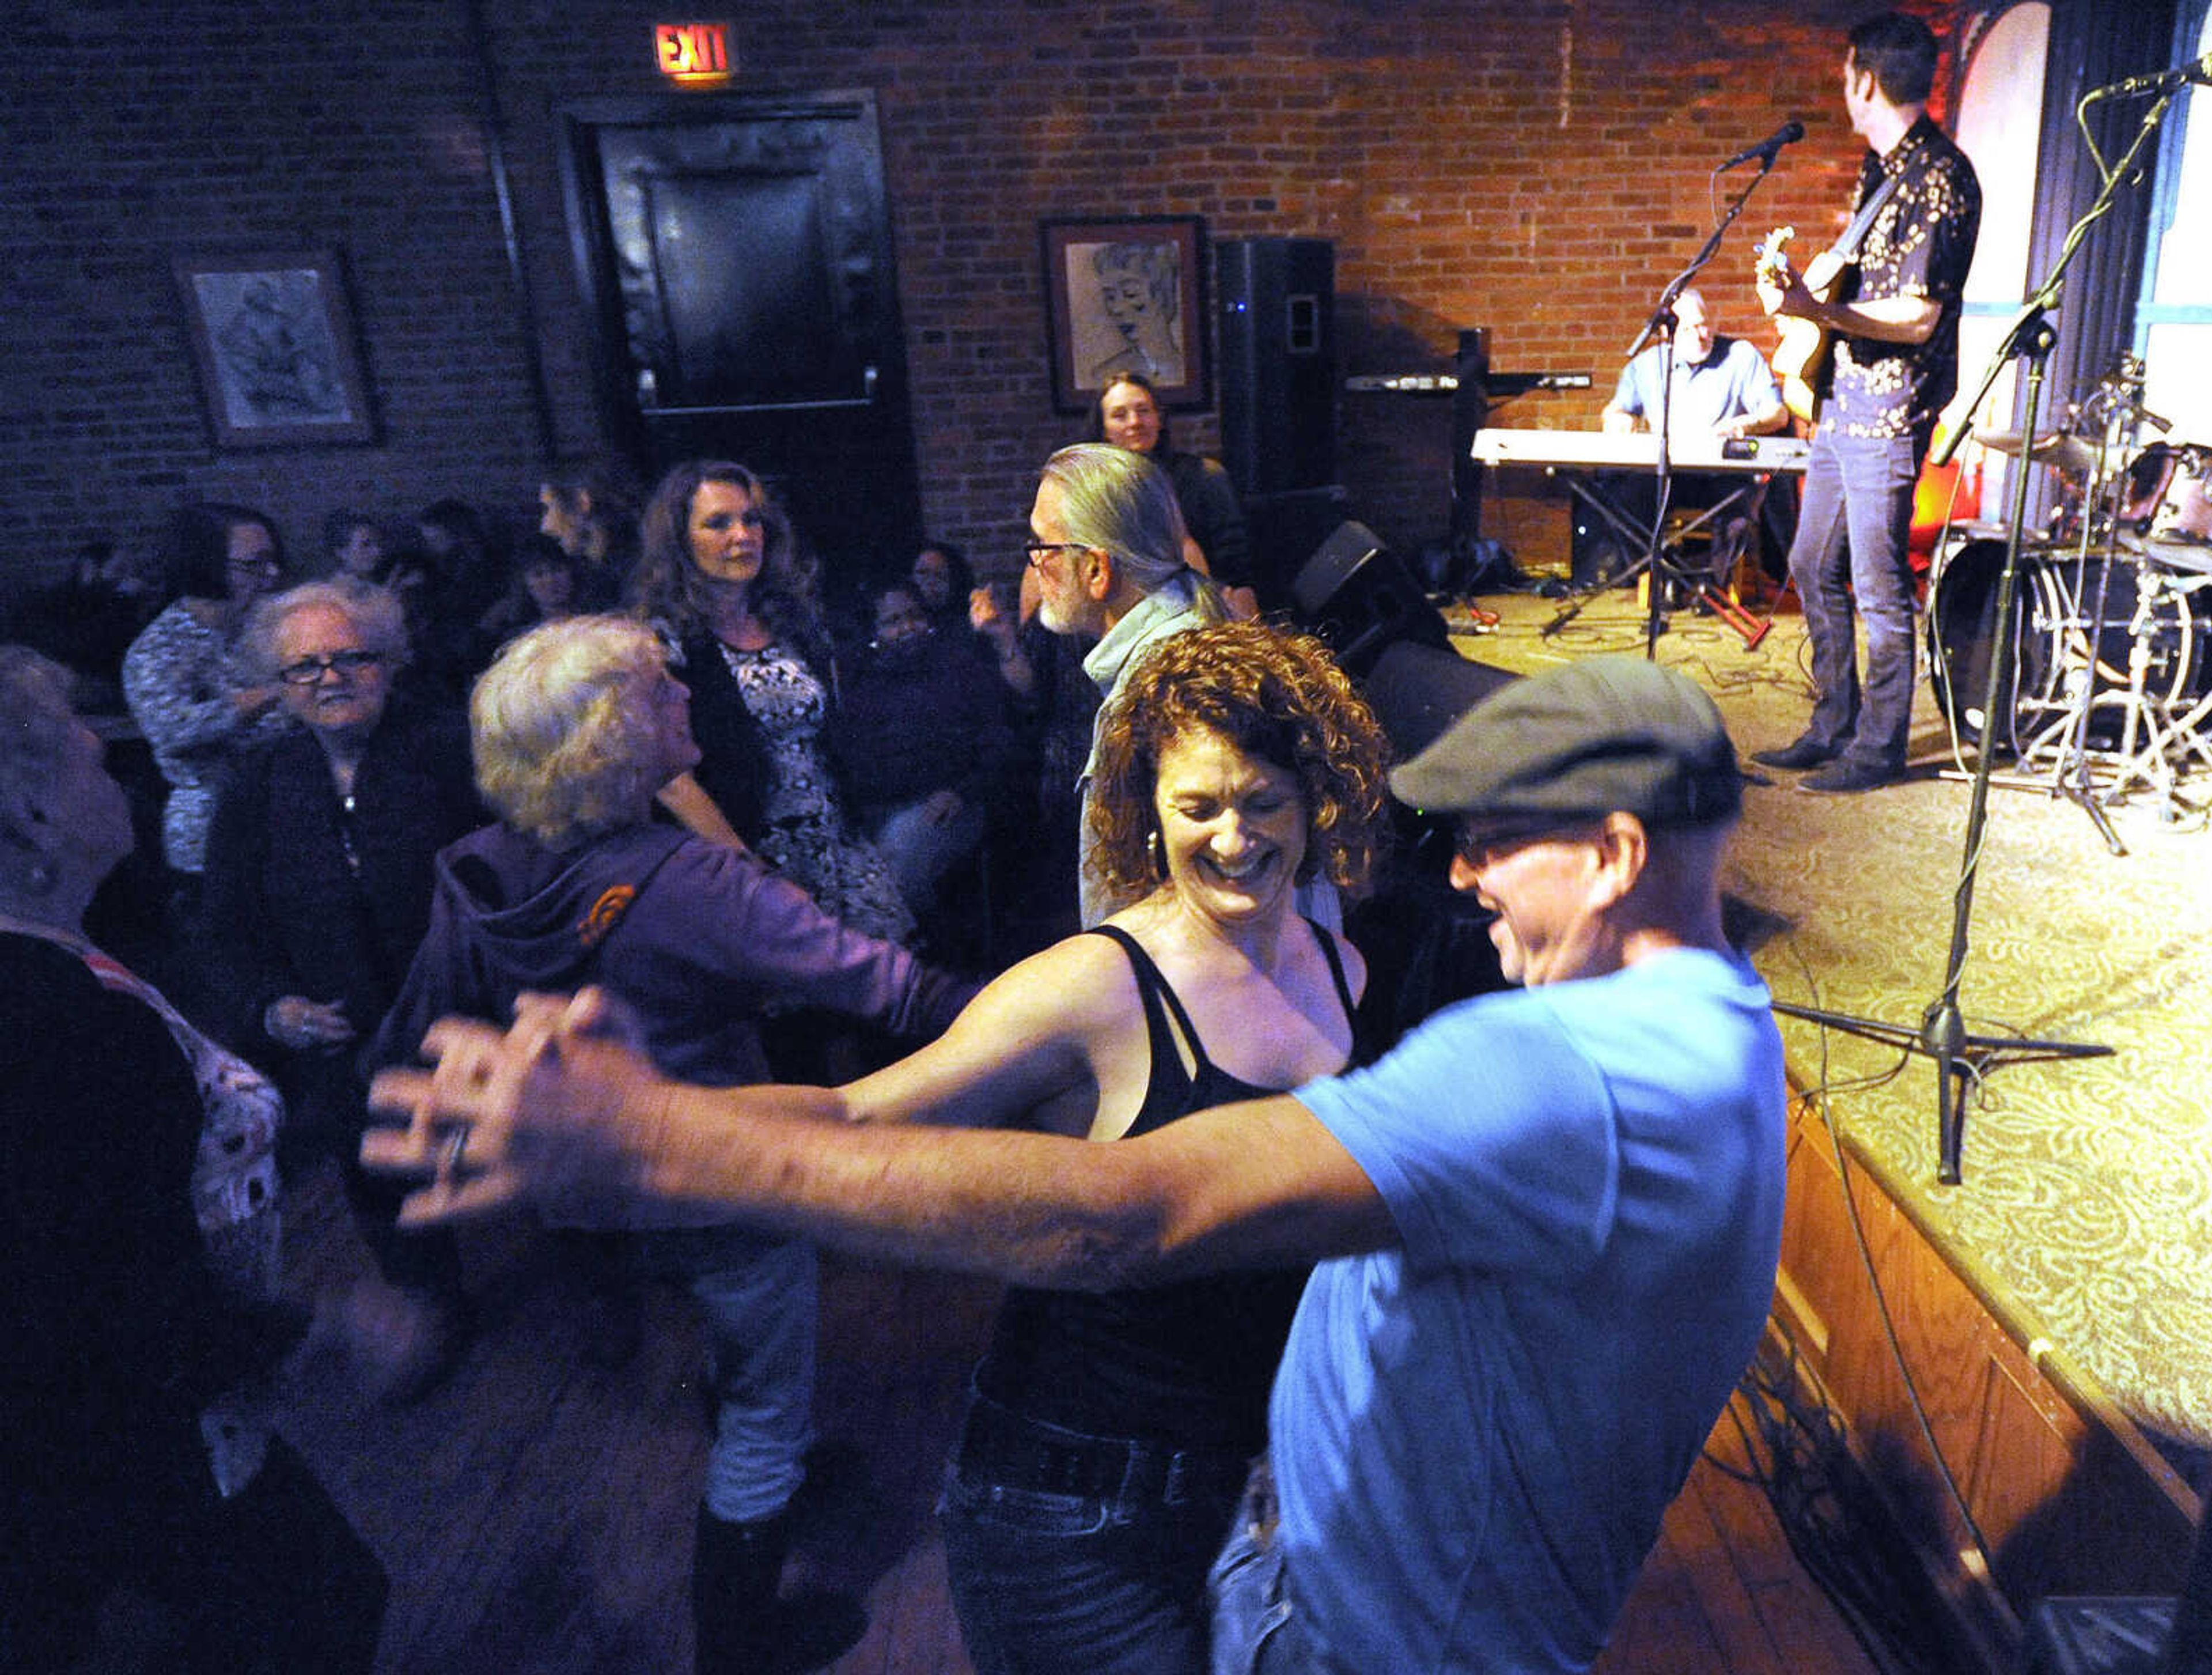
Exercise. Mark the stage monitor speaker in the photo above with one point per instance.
(1276, 301)
(1360, 598)
(1417, 691)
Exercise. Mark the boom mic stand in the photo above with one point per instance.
(1653, 565)
(1942, 1034)
(1656, 570)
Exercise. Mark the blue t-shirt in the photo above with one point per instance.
(1476, 1432)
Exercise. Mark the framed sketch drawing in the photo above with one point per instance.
(1126, 297)
(274, 345)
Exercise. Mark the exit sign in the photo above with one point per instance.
(693, 52)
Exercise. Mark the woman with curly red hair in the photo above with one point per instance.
(1109, 1434)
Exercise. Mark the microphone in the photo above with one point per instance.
(2166, 80)
(1788, 134)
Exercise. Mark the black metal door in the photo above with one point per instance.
(736, 256)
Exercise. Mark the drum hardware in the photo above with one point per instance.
(2158, 489)
(2160, 739)
(2111, 657)
(2167, 515)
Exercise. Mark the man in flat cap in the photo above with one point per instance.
(1545, 1226)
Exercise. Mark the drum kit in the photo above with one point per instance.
(2112, 691)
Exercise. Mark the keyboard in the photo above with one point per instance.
(1637, 450)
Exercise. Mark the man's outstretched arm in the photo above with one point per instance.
(553, 1106)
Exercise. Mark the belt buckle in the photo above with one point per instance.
(1064, 1469)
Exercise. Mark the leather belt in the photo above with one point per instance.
(1002, 1447)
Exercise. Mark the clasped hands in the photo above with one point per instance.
(549, 1109)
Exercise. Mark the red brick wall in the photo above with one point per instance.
(1538, 169)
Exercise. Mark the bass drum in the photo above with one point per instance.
(2052, 644)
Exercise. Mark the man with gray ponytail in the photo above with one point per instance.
(1104, 557)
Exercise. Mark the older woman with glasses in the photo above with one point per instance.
(182, 679)
(318, 890)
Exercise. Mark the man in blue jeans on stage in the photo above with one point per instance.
(1546, 1224)
(1896, 365)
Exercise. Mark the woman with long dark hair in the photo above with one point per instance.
(723, 577)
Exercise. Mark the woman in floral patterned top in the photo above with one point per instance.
(179, 676)
(723, 578)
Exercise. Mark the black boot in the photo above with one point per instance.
(740, 1625)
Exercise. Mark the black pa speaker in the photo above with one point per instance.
(1285, 529)
(1360, 598)
(1276, 299)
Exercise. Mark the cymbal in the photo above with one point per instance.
(2058, 449)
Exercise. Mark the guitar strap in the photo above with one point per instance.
(1847, 247)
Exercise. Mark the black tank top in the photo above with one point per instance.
(1186, 1364)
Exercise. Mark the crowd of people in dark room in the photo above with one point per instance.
(1078, 833)
(342, 783)
(715, 902)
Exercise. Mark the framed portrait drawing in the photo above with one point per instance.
(273, 343)
(1126, 297)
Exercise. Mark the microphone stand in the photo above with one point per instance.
(1942, 1034)
(1662, 324)
(1653, 564)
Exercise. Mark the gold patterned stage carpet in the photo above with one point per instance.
(2087, 1196)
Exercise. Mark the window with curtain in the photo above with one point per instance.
(2173, 311)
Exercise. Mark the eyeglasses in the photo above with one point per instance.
(309, 670)
(1034, 553)
(1477, 840)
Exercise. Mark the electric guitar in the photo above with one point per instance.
(1800, 358)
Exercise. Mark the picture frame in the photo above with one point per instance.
(1126, 296)
(274, 345)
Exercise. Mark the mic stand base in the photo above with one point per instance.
(1959, 1056)
(2080, 798)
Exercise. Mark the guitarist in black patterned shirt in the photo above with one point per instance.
(1895, 365)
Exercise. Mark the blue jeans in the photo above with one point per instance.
(1257, 1630)
(920, 851)
(1849, 559)
(759, 1297)
(1046, 1583)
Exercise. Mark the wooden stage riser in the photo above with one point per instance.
(2067, 1495)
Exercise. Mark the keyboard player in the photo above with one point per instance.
(1723, 388)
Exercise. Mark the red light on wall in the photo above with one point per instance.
(693, 53)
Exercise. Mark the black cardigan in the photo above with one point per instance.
(286, 913)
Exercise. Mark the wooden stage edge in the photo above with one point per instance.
(2069, 1495)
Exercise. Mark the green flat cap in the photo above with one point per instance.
(1581, 740)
